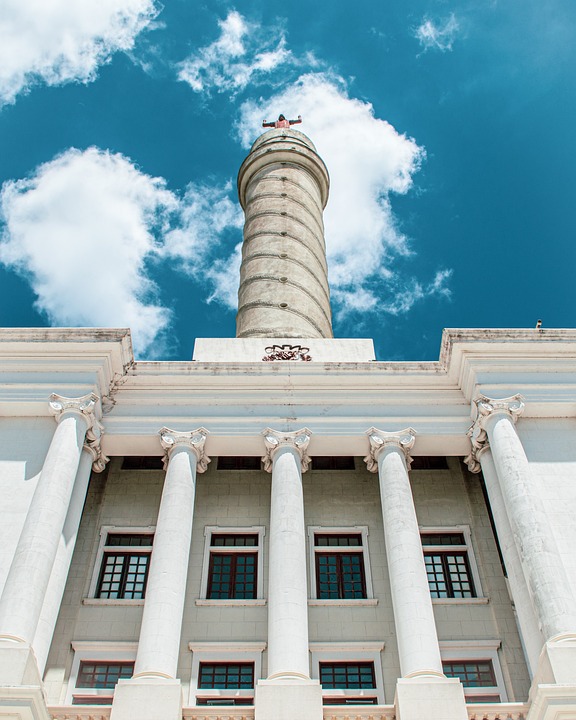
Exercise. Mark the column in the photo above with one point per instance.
(159, 643)
(423, 691)
(481, 459)
(544, 571)
(413, 613)
(91, 458)
(286, 458)
(288, 692)
(22, 599)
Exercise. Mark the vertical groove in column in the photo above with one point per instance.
(159, 642)
(418, 646)
(22, 600)
(287, 594)
(543, 568)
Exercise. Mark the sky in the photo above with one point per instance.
(447, 126)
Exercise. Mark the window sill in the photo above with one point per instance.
(110, 601)
(232, 603)
(359, 602)
(461, 601)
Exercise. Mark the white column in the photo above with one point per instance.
(543, 569)
(286, 458)
(528, 625)
(413, 613)
(90, 459)
(29, 575)
(159, 643)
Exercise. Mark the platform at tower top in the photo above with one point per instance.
(281, 349)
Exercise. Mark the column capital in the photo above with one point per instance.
(85, 406)
(274, 440)
(380, 439)
(483, 408)
(193, 440)
(92, 445)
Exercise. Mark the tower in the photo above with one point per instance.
(283, 189)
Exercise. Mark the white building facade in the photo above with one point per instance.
(284, 528)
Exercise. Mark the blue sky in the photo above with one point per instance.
(448, 129)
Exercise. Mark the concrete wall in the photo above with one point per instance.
(333, 499)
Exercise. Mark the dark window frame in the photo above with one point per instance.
(143, 462)
(125, 551)
(340, 553)
(451, 549)
(470, 668)
(99, 698)
(230, 671)
(108, 664)
(239, 462)
(429, 462)
(234, 552)
(333, 462)
(350, 668)
(487, 691)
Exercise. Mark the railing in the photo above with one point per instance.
(80, 712)
(242, 712)
(497, 711)
(366, 712)
(488, 711)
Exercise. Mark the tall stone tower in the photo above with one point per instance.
(283, 189)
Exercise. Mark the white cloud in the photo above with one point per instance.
(438, 35)
(80, 229)
(241, 54)
(57, 41)
(206, 217)
(407, 293)
(368, 161)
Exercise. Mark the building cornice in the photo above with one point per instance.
(337, 401)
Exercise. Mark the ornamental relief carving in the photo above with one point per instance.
(274, 440)
(193, 440)
(484, 407)
(287, 352)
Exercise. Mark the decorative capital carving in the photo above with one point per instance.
(194, 440)
(274, 440)
(85, 405)
(379, 440)
(483, 408)
(93, 446)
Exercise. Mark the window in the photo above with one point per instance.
(349, 673)
(449, 562)
(225, 673)
(122, 564)
(98, 675)
(339, 564)
(429, 462)
(226, 676)
(332, 462)
(233, 564)
(96, 669)
(476, 665)
(143, 462)
(239, 463)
